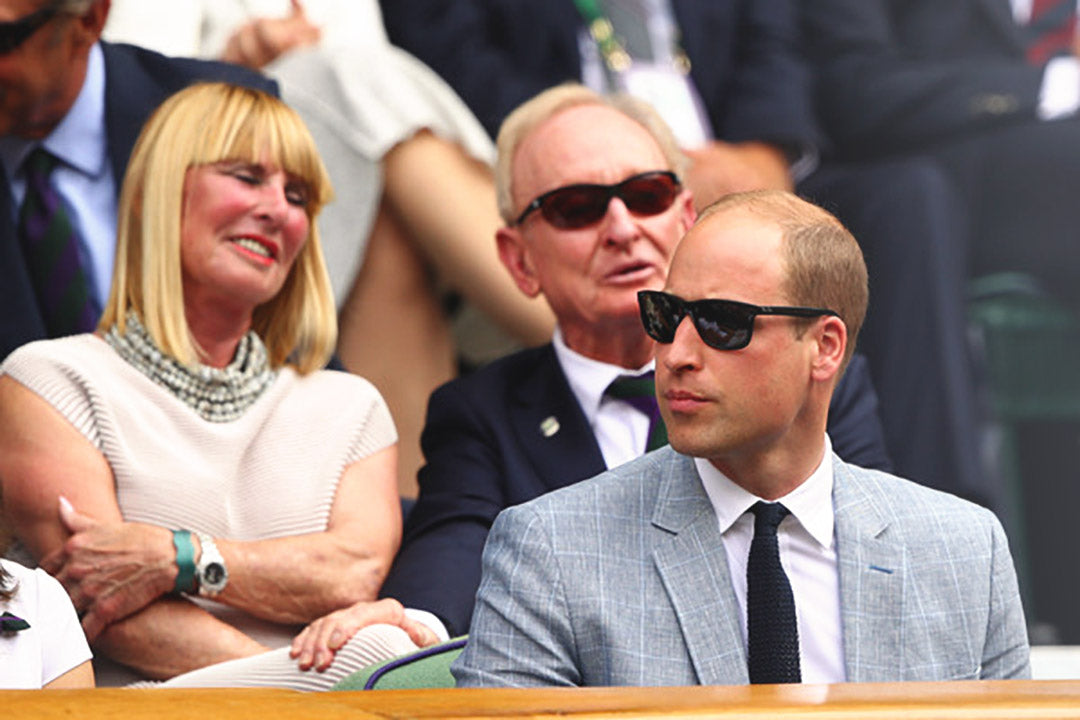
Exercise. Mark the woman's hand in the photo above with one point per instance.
(111, 570)
(316, 644)
(263, 40)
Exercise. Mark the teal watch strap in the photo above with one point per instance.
(185, 561)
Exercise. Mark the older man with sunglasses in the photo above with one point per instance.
(589, 188)
(748, 551)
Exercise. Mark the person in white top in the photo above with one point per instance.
(188, 472)
(41, 642)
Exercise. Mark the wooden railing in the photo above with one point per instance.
(1005, 700)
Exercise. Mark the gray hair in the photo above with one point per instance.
(530, 114)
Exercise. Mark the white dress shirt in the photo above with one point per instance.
(84, 177)
(621, 430)
(807, 553)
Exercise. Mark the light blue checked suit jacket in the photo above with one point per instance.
(623, 580)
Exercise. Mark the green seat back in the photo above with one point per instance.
(425, 668)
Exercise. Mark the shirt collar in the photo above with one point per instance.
(80, 139)
(589, 378)
(810, 503)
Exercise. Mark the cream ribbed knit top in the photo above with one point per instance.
(271, 473)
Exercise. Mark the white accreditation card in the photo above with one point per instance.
(674, 96)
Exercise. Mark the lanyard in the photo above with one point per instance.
(614, 54)
(612, 51)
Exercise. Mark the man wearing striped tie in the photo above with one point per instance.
(591, 194)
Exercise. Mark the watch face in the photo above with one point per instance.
(213, 574)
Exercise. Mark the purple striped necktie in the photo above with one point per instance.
(50, 246)
(640, 392)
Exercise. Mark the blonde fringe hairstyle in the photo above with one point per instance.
(823, 262)
(202, 124)
(527, 116)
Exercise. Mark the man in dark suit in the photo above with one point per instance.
(85, 101)
(754, 91)
(974, 83)
(540, 419)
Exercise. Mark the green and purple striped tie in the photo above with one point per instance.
(50, 246)
(640, 392)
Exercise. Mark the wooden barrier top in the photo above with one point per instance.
(907, 701)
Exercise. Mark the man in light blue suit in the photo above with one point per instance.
(639, 575)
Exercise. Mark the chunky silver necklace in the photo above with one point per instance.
(216, 394)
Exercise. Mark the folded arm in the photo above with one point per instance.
(113, 569)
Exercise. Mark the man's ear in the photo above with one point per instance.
(516, 257)
(93, 21)
(831, 341)
(687, 212)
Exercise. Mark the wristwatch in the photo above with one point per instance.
(210, 572)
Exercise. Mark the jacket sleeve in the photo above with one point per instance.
(522, 634)
(746, 64)
(1006, 654)
(438, 566)
(892, 77)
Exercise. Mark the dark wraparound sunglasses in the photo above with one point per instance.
(722, 324)
(576, 206)
(14, 33)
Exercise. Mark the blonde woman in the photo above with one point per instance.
(224, 491)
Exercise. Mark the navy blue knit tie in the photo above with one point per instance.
(640, 392)
(772, 632)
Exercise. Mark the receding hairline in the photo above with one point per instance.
(529, 138)
(526, 119)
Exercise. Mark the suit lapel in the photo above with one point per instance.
(690, 558)
(551, 426)
(872, 579)
(128, 97)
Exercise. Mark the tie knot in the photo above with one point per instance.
(767, 517)
(39, 163)
(628, 387)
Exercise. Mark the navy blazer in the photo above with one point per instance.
(485, 451)
(497, 54)
(902, 75)
(136, 82)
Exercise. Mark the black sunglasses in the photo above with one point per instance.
(14, 33)
(722, 324)
(576, 206)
